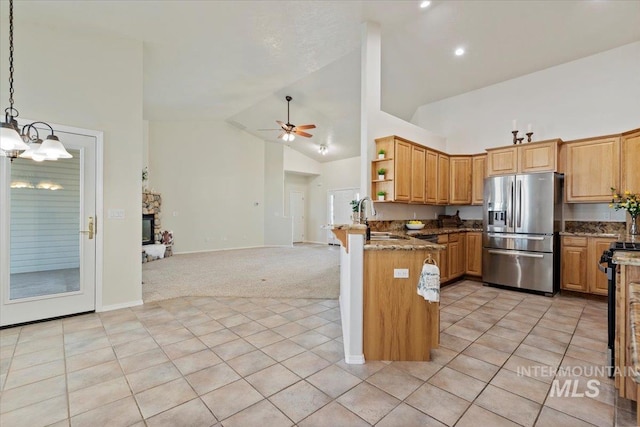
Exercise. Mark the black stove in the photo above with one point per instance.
(607, 266)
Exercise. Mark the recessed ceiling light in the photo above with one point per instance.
(425, 4)
(459, 51)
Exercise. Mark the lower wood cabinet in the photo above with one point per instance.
(474, 253)
(452, 260)
(579, 270)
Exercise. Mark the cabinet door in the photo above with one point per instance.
(418, 169)
(431, 178)
(502, 161)
(443, 179)
(460, 180)
(474, 254)
(479, 171)
(444, 257)
(630, 159)
(574, 265)
(592, 168)
(402, 169)
(597, 279)
(538, 157)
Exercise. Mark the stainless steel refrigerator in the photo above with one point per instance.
(520, 243)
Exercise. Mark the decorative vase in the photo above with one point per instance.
(633, 227)
(380, 156)
(381, 177)
(381, 198)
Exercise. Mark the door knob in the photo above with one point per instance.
(90, 230)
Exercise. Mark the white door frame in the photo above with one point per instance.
(99, 211)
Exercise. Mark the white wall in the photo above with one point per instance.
(294, 161)
(278, 229)
(597, 95)
(335, 175)
(376, 124)
(211, 178)
(92, 82)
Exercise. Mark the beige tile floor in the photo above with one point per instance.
(204, 361)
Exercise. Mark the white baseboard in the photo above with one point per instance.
(354, 359)
(119, 306)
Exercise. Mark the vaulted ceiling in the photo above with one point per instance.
(237, 60)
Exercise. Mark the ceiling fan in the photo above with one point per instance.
(289, 130)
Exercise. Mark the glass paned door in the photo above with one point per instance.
(47, 221)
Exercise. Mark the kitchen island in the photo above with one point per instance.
(383, 317)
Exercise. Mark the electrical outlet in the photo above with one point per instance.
(400, 273)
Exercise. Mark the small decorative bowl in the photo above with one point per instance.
(415, 226)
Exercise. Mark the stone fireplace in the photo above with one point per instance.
(151, 203)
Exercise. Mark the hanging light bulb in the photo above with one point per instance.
(288, 136)
(12, 142)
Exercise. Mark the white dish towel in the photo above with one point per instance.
(429, 283)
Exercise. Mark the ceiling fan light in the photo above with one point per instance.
(52, 149)
(10, 139)
(288, 137)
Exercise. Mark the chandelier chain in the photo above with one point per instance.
(11, 54)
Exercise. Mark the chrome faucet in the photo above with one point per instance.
(360, 204)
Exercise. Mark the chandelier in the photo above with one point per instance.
(25, 142)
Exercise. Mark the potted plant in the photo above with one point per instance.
(381, 173)
(356, 213)
(381, 153)
(381, 195)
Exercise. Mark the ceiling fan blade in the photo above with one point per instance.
(281, 135)
(301, 133)
(303, 127)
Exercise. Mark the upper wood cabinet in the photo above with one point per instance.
(431, 177)
(541, 156)
(630, 167)
(402, 178)
(405, 167)
(443, 179)
(418, 170)
(592, 168)
(460, 180)
(478, 174)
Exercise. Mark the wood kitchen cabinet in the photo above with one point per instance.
(431, 177)
(630, 161)
(418, 170)
(452, 261)
(460, 180)
(443, 179)
(531, 157)
(473, 259)
(580, 256)
(405, 179)
(592, 168)
(478, 174)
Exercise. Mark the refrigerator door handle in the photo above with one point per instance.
(515, 236)
(519, 198)
(510, 207)
(515, 253)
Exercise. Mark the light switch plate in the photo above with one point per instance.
(400, 273)
(115, 214)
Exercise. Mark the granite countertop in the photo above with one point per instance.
(626, 258)
(589, 234)
(439, 231)
(410, 244)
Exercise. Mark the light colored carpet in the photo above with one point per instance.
(303, 271)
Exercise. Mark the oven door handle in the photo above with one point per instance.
(602, 268)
